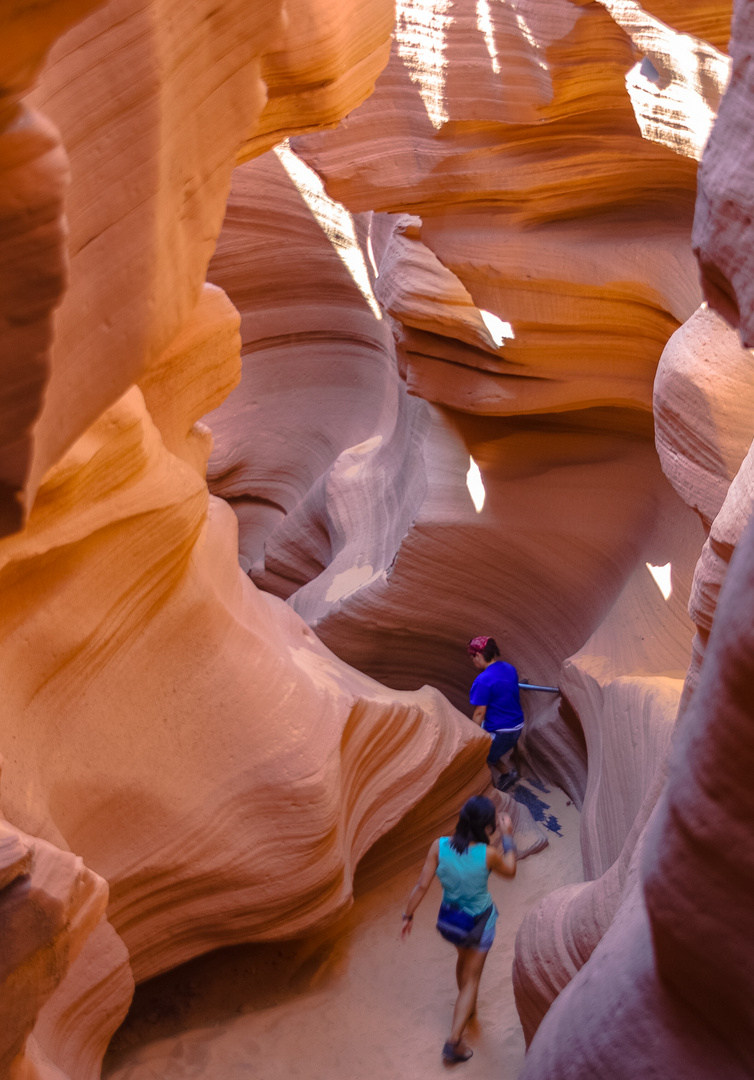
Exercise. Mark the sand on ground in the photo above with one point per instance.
(352, 1003)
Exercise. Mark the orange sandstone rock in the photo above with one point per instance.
(323, 64)
(187, 735)
(51, 905)
(708, 19)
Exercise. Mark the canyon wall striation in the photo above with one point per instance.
(171, 736)
(679, 928)
(518, 193)
(474, 276)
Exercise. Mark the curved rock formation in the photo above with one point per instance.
(726, 199)
(53, 930)
(706, 374)
(707, 19)
(507, 254)
(502, 302)
(669, 940)
(33, 182)
(323, 64)
(185, 734)
(679, 928)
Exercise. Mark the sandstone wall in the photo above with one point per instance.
(521, 185)
(678, 928)
(492, 269)
(182, 733)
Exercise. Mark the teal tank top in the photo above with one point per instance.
(464, 878)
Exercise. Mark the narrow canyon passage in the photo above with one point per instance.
(333, 336)
(353, 1003)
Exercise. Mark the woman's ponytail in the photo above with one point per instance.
(477, 814)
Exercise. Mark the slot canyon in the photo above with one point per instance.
(334, 335)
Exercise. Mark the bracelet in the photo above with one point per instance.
(508, 844)
(407, 917)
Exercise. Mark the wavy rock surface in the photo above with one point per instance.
(319, 376)
(562, 225)
(511, 254)
(706, 374)
(161, 717)
(683, 927)
(703, 402)
(52, 912)
(504, 304)
(707, 19)
(622, 690)
(688, 880)
(33, 181)
(323, 64)
(726, 199)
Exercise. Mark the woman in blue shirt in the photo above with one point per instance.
(494, 693)
(463, 862)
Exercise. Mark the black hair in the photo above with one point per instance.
(476, 814)
(490, 650)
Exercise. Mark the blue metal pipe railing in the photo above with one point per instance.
(531, 686)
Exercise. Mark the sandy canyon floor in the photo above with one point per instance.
(353, 1003)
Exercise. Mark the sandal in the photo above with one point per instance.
(452, 1052)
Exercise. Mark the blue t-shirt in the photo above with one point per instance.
(497, 688)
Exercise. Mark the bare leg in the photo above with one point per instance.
(470, 966)
(460, 966)
(505, 760)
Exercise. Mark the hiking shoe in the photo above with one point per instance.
(507, 780)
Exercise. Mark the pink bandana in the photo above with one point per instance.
(476, 645)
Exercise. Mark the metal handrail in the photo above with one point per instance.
(531, 686)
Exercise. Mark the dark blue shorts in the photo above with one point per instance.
(502, 742)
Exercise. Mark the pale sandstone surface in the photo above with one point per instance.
(352, 1004)
(682, 940)
(726, 200)
(703, 406)
(680, 930)
(319, 374)
(712, 568)
(76, 1023)
(703, 402)
(621, 690)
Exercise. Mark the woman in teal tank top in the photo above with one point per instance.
(463, 863)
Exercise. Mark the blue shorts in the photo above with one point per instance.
(502, 742)
(488, 936)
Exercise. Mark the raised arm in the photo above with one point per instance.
(420, 889)
(501, 851)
